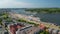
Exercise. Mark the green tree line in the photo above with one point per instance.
(44, 10)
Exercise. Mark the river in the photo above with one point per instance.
(52, 18)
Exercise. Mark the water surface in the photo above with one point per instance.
(53, 18)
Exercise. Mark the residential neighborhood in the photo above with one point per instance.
(13, 23)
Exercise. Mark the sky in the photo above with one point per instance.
(29, 3)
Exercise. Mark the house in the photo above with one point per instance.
(14, 27)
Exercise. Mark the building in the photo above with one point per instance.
(14, 27)
(27, 30)
(2, 30)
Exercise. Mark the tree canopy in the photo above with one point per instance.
(44, 10)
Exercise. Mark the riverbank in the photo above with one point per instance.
(50, 25)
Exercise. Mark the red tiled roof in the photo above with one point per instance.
(18, 26)
(13, 28)
(42, 26)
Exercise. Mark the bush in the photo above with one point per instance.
(21, 20)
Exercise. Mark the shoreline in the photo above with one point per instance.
(50, 25)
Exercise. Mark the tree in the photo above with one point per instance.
(1, 21)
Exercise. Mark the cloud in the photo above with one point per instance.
(13, 4)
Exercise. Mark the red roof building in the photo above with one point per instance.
(14, 28)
